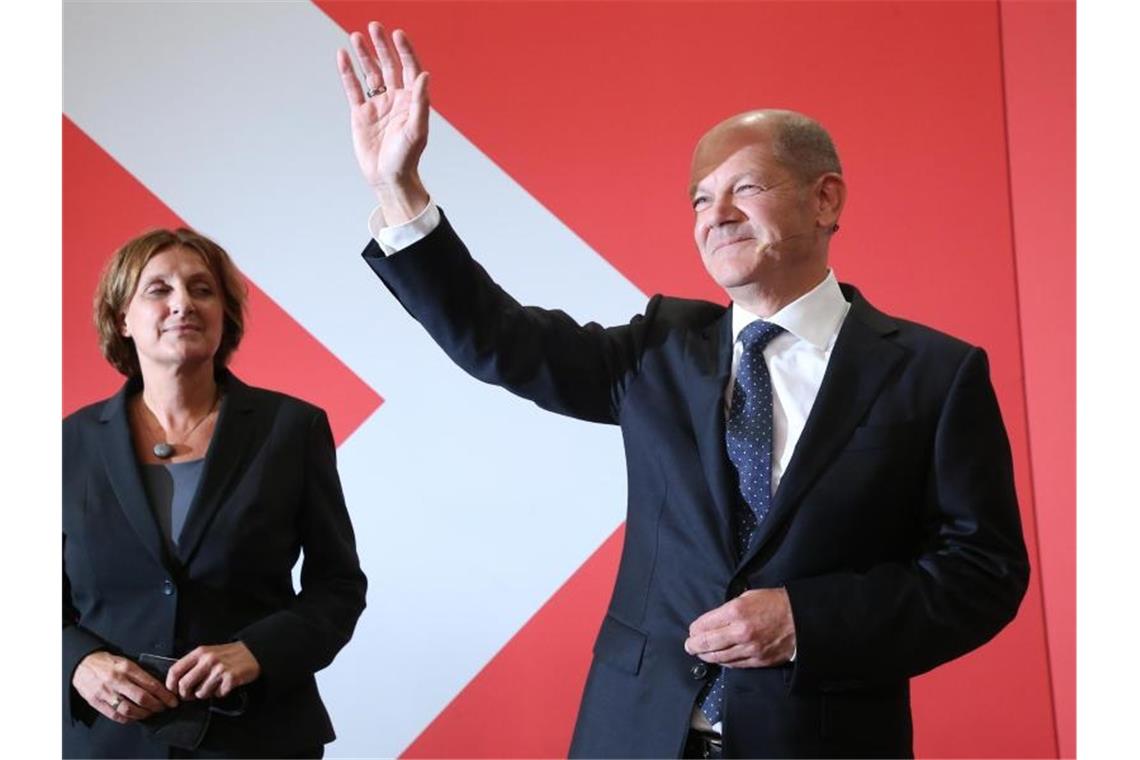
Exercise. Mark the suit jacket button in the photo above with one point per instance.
(699, 671)
(167, 588)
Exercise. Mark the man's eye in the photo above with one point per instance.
(700, 202)
(748, 187)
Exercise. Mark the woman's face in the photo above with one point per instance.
(175, 316)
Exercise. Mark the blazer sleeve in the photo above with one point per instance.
(898, 619)
(542, 355)
(303, 638)
(77, 644)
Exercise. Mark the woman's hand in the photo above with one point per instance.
(389, 127)
(212, 671)
(119, 689)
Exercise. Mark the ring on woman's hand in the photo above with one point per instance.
(117, 702)
(373, 91)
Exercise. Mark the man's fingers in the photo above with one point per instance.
(367, 59)
(716, 640)
(714, 618)
(727, 656)
(391, 77)
(348, 78)
(408, 59)
(418, 110)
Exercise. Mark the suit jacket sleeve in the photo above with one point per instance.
(539, 354)
(303, 638)
(898, 619)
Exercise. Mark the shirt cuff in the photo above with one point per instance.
(400, 236)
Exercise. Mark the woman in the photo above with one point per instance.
(187, 497)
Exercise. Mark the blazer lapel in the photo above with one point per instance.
(709, 360)
(861, 362)
(123, 472)
(225, 459)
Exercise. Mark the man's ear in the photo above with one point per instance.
(831, 194)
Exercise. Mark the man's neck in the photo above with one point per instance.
(766, 298)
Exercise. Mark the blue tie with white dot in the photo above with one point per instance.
(748, 437)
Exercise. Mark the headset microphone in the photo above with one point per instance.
(765, 247)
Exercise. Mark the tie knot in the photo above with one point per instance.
(758, 334)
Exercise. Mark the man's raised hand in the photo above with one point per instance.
(389, 128)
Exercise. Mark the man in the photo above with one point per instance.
(821, 497)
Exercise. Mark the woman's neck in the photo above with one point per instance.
(179, 397)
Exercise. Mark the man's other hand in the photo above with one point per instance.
(753, 630)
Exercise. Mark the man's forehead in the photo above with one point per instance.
(721, 144)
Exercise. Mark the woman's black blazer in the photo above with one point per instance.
(269, 491)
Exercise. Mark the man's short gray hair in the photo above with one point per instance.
(802, 144)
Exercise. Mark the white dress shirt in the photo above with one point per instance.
(400, 236)
(796, 358)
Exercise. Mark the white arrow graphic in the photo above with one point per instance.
(470, 506)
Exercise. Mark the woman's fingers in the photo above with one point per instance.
(156, 695)
(210, 684)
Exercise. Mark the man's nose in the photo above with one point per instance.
(724, 209)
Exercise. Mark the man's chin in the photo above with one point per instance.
(732, 277)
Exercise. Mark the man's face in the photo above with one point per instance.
(751, 213)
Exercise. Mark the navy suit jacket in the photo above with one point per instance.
(895, 528)
(269, 489)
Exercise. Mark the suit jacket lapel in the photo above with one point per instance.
(225, 459)
(123, 472)
(861, 362)
(709, 361)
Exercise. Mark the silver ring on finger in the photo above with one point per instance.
(374, 91)
(118, 701)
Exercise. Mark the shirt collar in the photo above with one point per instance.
(815, 317)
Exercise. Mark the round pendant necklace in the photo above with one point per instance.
(164, 450)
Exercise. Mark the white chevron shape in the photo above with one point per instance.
(470, 505)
